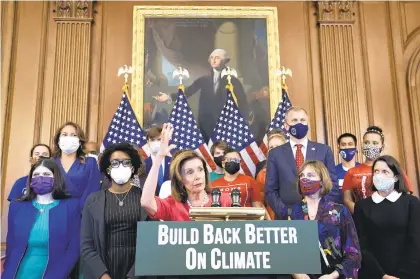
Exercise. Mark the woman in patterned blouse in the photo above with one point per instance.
(340, 253)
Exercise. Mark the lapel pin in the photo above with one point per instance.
(313, 148)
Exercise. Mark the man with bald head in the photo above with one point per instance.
(212, 88)
(284, 162)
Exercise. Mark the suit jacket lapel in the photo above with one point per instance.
(311, 151)
(98, 212)
(289, 157)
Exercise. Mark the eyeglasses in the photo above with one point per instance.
(232, 160)
(117, 163)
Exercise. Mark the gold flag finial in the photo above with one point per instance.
(229, 72)
(125, 70)
(180, 73)
(284, 72)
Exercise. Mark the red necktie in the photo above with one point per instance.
(299, 156)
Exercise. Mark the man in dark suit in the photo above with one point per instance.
(153, 140)
(212, 88)
(285, 160)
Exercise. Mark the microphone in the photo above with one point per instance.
(215, 194)
(236, 197)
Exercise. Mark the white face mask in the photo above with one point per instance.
(383, 183)
(93, 156)
(154, 147)
(69, 144)
(121, 175)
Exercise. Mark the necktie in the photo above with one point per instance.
(160, 179)
(299, 156)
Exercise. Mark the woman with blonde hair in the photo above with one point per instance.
(189, 179)
(340, 253)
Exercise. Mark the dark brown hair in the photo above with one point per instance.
(59, 191)
(375, 130)
(179, 192)
(154, 132)
(80, 134)
(40, 144)
(399, 186)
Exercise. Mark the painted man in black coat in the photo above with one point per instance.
(213, 94)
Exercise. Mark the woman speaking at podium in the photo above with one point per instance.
(189, 179)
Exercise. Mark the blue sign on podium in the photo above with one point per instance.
(222, 248)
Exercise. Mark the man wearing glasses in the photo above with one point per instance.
(250, 189)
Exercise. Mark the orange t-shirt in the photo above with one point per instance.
(261, 179)
(359, 181)
(250, 189)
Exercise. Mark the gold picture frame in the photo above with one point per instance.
(140, 13)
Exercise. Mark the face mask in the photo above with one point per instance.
(309, 187)
(68, 144)
(218, 160)
(372, 152)
(42, 184)
(232, 167)
(121, 175)
(299, 130)
(348, 154)
(383, 183)
(154, 147)
(93, 156)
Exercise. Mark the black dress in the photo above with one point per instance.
(389, 236)
(121, 231)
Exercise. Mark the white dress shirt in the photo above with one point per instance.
(304, 147)
(393, 197)
(216, 80)
(165, 189)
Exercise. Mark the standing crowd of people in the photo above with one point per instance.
(75, 214)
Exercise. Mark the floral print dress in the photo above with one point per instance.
(337, 235)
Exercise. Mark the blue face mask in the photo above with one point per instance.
(348, 154)
(299, 130)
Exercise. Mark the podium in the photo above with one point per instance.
(227, 213)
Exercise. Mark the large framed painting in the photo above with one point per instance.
(205, 40)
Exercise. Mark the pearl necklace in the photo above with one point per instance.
(205, 201)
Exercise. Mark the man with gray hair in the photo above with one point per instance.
(213, 93)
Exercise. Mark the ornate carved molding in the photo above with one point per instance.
(338, 69)
(72, 63)
(334, 12)
(73, 10)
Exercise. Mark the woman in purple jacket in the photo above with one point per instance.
(43, 228)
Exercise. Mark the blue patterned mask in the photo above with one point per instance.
(348, 154)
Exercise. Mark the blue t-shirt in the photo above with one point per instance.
(18, 189)
(340, 171)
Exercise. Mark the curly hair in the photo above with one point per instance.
(125, 147)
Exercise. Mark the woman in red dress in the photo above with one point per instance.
(190, 183)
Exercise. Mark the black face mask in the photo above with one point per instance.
(218, 160)
(232, 167)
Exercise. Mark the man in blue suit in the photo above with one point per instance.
(153, 140)
(285, 160)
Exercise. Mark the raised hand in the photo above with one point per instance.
(165, 137)
(162, 97)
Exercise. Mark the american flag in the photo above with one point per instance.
(278, 119)
(186, 133)
(124, 127)
(234, 130)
